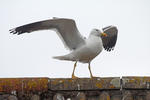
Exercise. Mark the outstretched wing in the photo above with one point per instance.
(110, 40)
(66, 29)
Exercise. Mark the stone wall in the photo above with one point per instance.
(111, 88)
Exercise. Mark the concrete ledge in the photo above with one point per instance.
(9, 85)
(111, 88)
(136, 82)
(45, 84)
(85, 83)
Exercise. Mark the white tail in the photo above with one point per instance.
(60, 57)
(65, 57)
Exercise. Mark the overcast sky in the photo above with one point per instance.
(30, 55)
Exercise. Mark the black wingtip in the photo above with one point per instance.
(14, 31)
(108, 48)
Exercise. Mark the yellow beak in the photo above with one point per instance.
(104, 34)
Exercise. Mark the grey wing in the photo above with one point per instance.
(66, 29)
(110, 40)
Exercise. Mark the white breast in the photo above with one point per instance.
(95, 45)
(89, 51)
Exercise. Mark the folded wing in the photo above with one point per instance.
(109, 41)
(66, 29)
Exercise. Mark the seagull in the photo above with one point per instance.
(81, 49)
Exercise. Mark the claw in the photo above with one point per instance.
(74, 77)
(93, 77)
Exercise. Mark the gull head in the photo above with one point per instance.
(98, 33)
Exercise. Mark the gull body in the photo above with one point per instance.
(82, 50)
(87, 52)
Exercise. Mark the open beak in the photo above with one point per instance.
(104, 34)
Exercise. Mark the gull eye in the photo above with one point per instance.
(97, 30)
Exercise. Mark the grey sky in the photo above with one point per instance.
(30, 55)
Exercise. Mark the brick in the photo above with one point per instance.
(58, 96)
(104, 96)
(80, 96)
(127, 96)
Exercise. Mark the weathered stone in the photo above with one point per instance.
(85, 84)
(68, 99)
(136, 82)
(4, 96)
(116, 97)
(148, 95)
(12, 97)
(80, 96)
(58, 96)
(127, 96)
(1, 97)
(10, 85)
(47, 99)
(129, 88)
(104, 96)
(35, 97)
(140, 98)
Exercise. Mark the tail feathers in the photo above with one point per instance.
(66, 57)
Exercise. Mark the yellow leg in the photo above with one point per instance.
(73, 76)
(89, 66)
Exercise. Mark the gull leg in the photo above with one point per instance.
(73, 76)
(89, 66)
